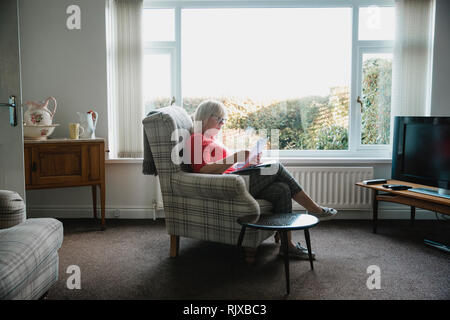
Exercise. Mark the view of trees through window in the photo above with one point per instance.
(376, 99)
(312, 122)
(307, 69)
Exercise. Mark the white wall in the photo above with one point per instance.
(67, 64)
(71, 65)
(440, 93)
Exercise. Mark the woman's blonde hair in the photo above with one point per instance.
(209, 108)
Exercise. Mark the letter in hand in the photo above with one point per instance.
(241, 159)
(254, 160)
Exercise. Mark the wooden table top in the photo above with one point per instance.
(61, 140)
(407, 193)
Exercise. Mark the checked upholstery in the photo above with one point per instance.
(29, 261)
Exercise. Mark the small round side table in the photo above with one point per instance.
(281, 222)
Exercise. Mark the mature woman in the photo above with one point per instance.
(209, 156)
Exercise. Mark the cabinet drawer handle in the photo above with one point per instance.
(34, 166)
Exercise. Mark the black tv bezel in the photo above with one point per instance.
(400, 123)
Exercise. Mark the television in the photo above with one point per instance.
(421, 153)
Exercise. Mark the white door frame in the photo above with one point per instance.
(12, 176)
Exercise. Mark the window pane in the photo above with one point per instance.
(376, 23)
(283, 69)
(156, 81)
(376, 98)
(158, 25)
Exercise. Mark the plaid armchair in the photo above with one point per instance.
(199, 206)
(29, 260)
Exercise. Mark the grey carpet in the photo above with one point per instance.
(130, 260)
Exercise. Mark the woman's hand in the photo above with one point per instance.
(258, 158)
(255, 160)
(241, 156)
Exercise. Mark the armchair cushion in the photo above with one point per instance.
(12, 209)
(25, 250)
(210, 186)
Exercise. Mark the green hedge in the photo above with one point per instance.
(314, 122)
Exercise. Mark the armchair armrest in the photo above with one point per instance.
(12, 209)
(213, 186)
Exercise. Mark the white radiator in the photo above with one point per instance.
(158, 195)
(334, 186)
(328, 186)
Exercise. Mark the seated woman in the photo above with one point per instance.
(209, 156)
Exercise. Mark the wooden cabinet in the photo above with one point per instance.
(59, 163)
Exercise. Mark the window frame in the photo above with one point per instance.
(355, 148)
(162, 48)
(361, 51)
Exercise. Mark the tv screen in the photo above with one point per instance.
(421, 150)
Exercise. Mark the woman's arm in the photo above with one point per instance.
(223, 164)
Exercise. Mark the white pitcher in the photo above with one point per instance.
(88, 120)
(39, 113)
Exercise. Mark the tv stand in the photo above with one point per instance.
(406, 197)
(431, 192)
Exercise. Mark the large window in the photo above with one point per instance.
(320, 78)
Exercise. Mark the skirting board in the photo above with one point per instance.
(87, 212)
(148, 213)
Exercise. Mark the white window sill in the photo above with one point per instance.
(331, 160)
(289, 161)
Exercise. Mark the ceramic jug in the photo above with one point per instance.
(88, 120)
(39, 113)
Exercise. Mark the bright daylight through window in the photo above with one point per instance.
(289, 69)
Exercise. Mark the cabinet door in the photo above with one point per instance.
(58, 164)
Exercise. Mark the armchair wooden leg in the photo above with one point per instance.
(250, 254)
(174, 246)
(44, 296)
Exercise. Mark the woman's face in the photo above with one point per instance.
(213, 125)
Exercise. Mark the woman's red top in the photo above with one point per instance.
(210, 151)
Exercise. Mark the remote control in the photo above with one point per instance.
(396, 186)
(375, 181)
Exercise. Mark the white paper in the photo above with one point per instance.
(259, 147)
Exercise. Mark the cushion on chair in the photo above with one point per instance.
(12, 209)
(24, 251)
(209, 186)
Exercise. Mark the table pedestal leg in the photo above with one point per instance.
(241, 237)
(308, 244)
(285, 246)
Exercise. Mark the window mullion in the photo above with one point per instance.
(361, 51)
(177, 58)
(159, 44)
(354, 123)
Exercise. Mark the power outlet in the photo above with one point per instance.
(116, 213)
